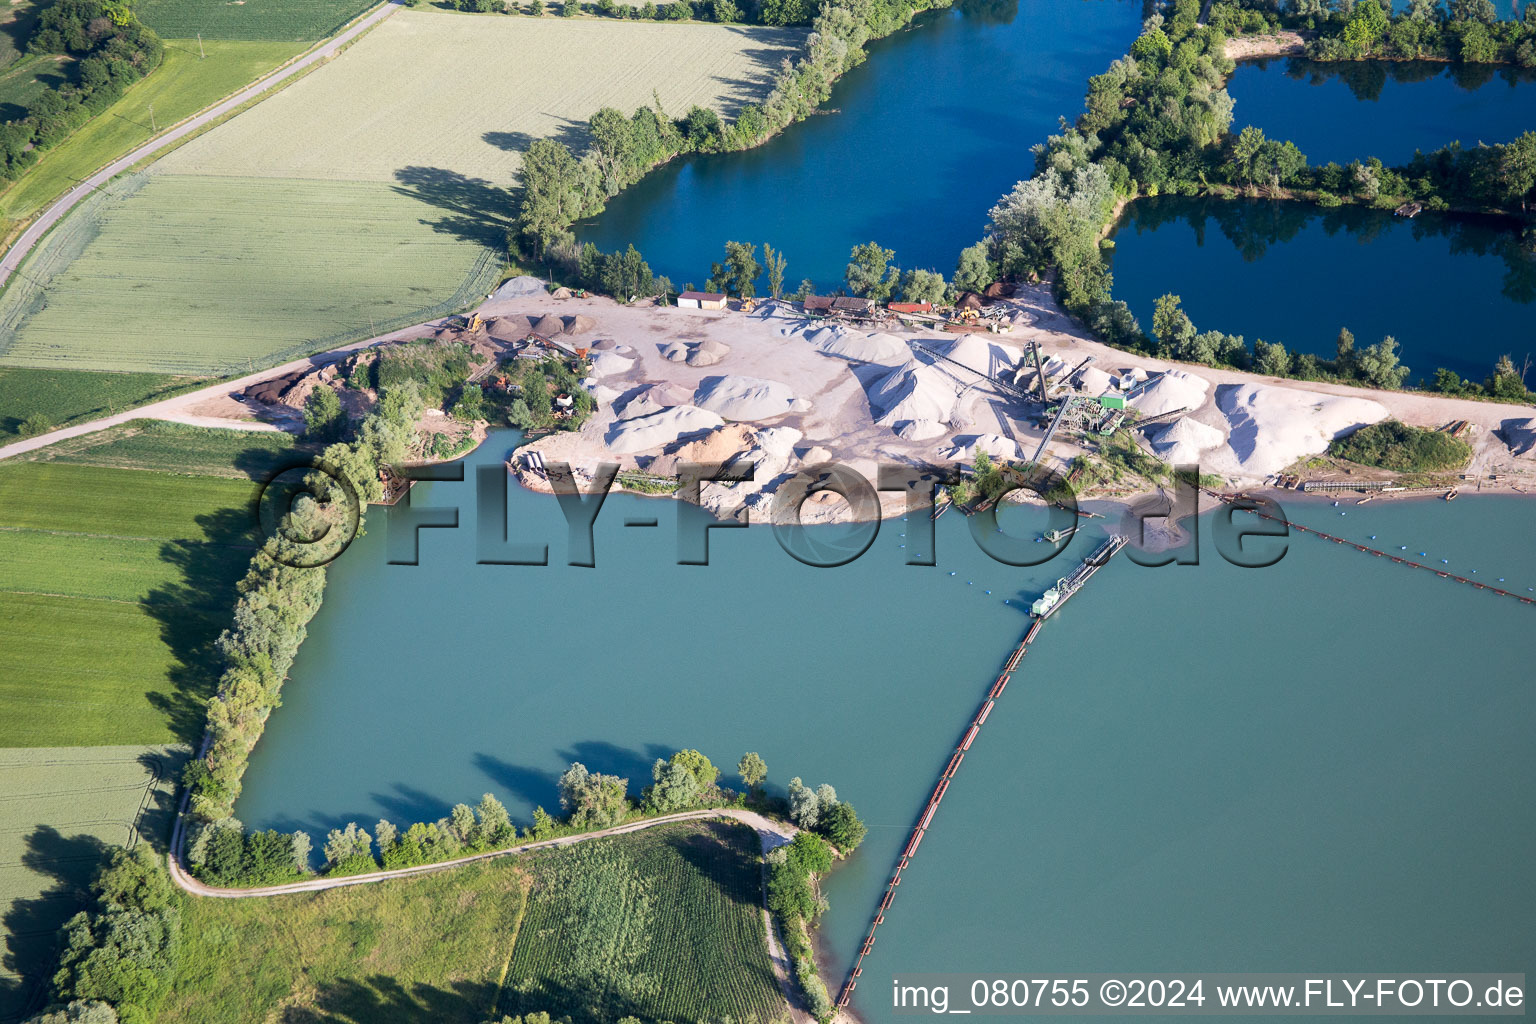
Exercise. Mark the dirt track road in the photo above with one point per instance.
(63, 205)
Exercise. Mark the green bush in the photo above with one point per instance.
(1393, 445)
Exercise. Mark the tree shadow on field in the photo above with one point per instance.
(378, 999)
(476, 210)
(512, 142)
(32, 925)
(197, 607)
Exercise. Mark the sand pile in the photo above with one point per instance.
(549, 326)
(579, 324)
(520, 286)
(704, 353)
(744, 398)
(980, 355)
(995, 445)
(1520, 435)
(811, 456)
(508, 329)
(1093, 381)
(1183, 440)
(606, 364)
(1272, 427)
(912, 391)
(643, 433)
(920, 430)
(860, 348)
(603, 394)
(779, 441)
(1172, 391)
(654, 399)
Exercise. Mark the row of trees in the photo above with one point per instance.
(114, 50)
(282, 591)
(559, 187)
(750, 12)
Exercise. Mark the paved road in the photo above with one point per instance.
(51, 216)
(772, 833)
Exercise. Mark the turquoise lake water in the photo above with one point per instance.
(1324, 765)
(1387, 109)
(917, 145)
(1455, 291)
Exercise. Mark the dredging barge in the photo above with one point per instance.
(1048, 603)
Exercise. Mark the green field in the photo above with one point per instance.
(71, 396)
(181, 86)
(428, 949)
(186, 274)
(60, 808)
(177, 448)
(114, 586)
(291, 20)
(618, 927)
(23, 81)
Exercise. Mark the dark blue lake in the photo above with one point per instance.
(915, 147)
(1386, 109)
(1455, 291)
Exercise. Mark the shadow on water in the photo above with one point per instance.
(475, 209)
(1252, 226)
(1366, 79)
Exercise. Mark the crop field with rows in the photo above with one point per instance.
(60, 807)
(389, 104)
(115, 584)
(664, 924)
(297, 20)
(182, 274)
(167, 447)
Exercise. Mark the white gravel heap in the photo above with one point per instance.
(520, 286)
(643, 433)
(1272, 427)
(744, 398)
(995, 445)
(920, 430)
(1182, 441)
(705, 353)
(873, 348)
(1520, 435)
(1172, 391)
(981, 355)
(607, 364)
(912, 391)
(1093, 381)
(779, 441)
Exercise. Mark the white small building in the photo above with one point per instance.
(701, 300)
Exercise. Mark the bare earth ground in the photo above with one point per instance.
(1279, 44)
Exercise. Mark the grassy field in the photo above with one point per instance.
(177, 448)
(16, 25)
(391, 102)
(666, 923)
(291, 20)
(181, 86)
(114, 586)
(23, 81)
(617, 926)
(187, 274)
(70, 396)
(61, 807)
(428, 949)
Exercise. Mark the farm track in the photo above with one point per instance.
(771, 833)
(45, 222)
